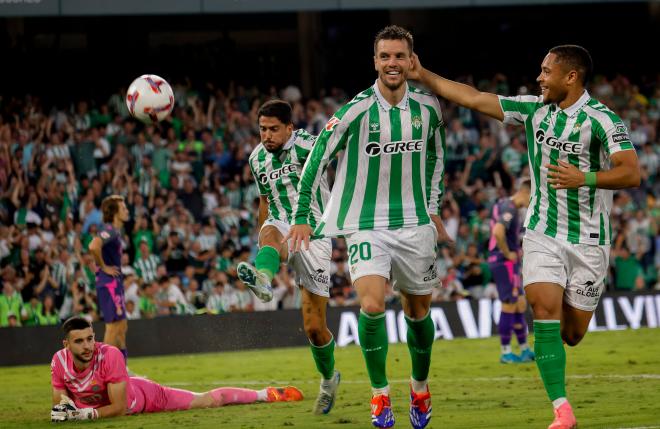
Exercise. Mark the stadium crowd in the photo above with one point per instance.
(193, 200)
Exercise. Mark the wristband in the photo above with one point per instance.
(590, 179)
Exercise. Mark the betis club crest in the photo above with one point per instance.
(416, 122)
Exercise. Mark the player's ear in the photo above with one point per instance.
(375, 63)
(572, 77)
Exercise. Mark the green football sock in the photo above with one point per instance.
(373, 341)
(324, 357)
(421, 334)
(268, 261)
(550, 357)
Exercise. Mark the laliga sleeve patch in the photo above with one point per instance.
(332, 123)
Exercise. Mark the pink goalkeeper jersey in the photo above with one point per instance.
(88, 388)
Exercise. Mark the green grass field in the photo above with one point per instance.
(613, 382)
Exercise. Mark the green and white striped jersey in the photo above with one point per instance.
(585, 134)
(278, 174)
(390, 164)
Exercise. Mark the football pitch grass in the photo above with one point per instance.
(613, 382)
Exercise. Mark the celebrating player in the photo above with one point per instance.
(579, 150)
(386, 202)
(276, 164)
(503, 262)
(107, 252)
(90, 381)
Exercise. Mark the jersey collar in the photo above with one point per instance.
(383, 104)
(572, 110)
(289, 144)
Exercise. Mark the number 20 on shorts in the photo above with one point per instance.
(363, 250)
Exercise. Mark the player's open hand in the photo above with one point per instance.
(512, 256)
(415, 72)
(111, 270)
(297, 235)
(564, 176)
(443, 237)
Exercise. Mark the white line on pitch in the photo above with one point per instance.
(643, 427)
(406, 381)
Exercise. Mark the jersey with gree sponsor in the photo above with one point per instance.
(278, 173)
(585, 135)
(111, 248)
(506, 213)
(390, 164)
(89, 388)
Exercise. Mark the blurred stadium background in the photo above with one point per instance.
(66, 141)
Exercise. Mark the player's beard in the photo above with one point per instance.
(393, 86)
(81, 358)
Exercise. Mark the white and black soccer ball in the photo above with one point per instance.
(150, 98)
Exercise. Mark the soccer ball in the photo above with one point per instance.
(150, 98)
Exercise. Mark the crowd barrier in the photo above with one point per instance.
(240, 331)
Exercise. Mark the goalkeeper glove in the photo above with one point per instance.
(67, 410)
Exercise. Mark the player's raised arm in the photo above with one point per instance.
(459, 93)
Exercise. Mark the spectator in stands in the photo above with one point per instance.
(192, 195)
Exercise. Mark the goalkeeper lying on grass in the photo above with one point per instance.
(90, 381)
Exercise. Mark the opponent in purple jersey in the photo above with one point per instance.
(106, 249)
(90, 381)
(503, 247)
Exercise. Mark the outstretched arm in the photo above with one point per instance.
(117, 396)
(464, 95)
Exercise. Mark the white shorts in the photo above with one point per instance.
(579, 268)
(311, 267)
(406, 256)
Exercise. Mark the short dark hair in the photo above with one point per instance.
(279, 109)
(75, 323)
(575, 58)
(394, 32)
(110, 207)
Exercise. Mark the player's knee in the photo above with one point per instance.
(571, 339)
(206, 400)
(372, 307)
(542, 312)
(317, 333)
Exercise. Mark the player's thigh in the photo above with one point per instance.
(414, 259)
(371, 293)
(521, 304)
(272, 233)
(543, 260)
(159, 398)
(312, 267)
(574, 324)
(111, 303)
(368, 255)
(507, 280)
(587, 269)
(314, 309)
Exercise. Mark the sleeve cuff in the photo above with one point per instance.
(300, 220)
